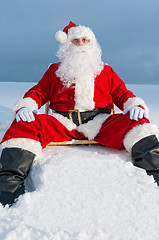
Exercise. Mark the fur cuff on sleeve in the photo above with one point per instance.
(135, 101)
(24, 102)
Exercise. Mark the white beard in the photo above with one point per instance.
(79, 67)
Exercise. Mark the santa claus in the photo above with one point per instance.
(81, 91)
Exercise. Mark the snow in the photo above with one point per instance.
(82, 192)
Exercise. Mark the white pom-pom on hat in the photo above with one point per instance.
(61, 36)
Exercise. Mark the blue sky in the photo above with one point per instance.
(126, 30)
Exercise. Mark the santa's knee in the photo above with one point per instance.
(143, 144)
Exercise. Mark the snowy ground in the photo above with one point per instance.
(82, 192)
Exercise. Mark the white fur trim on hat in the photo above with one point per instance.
(75, 32)
(24, 102)
(137, 133)
(80, 31)
(61, 36)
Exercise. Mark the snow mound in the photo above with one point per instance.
(84, 193)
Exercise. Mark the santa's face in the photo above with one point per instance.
(80, 59)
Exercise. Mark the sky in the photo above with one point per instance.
(127, 32)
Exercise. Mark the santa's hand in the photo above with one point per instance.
(26, 114)
(136, 113)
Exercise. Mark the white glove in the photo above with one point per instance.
(26, 114)
(136, 113)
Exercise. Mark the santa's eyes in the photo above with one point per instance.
(79, 41)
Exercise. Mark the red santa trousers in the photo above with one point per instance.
(46, 129)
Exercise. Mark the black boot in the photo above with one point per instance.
(15, 164)
(146, 155)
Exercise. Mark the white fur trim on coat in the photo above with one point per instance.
(89, 129)
(137, 133)
(24, 102)
(92, 128)
(23, 143)
(135, 101)
(64, 120)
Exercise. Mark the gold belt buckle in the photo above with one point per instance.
(78, 115)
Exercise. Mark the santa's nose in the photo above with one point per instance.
(80, 43)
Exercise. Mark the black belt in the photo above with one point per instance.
(83, 117)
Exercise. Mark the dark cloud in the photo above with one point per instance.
(126, 30)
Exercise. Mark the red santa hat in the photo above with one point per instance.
(74, 31)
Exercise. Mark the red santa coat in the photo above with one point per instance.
(108, 89)
(105, 90)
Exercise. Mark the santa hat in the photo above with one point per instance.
(73, 31)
